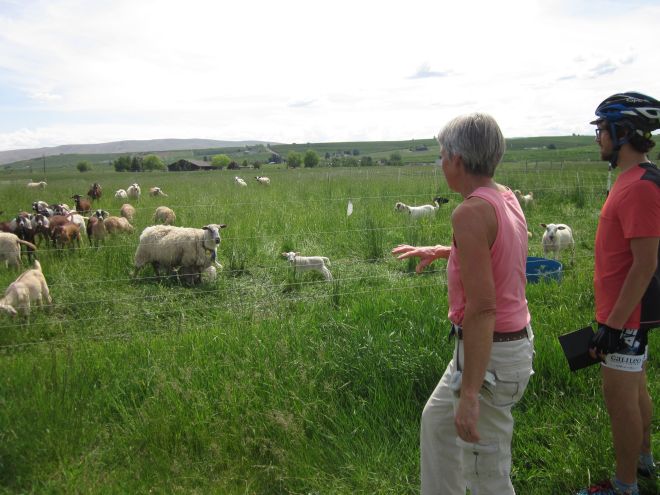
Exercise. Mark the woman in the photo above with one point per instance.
(467, 423)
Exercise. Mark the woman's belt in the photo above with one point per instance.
(497, 336)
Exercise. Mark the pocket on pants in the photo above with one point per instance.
(508, 388)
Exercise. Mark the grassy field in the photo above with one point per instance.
(269, 382)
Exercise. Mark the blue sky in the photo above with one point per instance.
(75, 71)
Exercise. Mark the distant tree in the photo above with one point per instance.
(152, 162)
(327, 155)
(366, 161)
(349, 161)
(293, 159)
(233, 165)
(395, 158)
(311, 159)
(256, 165)
(136, 164)
(245, 163)
(122, 164)
(220, 161)
(84, 166)
(551, 146)
(356, 152)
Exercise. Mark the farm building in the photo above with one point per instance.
(185, 165)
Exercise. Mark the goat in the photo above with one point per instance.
(10, 249)
(83, 206)
(121, 194)
(66, 234)
(30, 287)
(265, 181)
(134, 191)
(164, 215)
(304, 263)
(240, 182)
(37, 185)
(524, 199)
(95, 191)
(127, 211)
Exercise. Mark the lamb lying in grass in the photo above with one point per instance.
(304, 263)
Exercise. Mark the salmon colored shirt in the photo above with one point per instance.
(508, 256)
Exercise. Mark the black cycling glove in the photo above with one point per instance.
(606, 340)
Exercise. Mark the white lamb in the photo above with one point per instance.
(304, 263)
(556, 238)
(524, 199)
(30, 287)
(121, 194)
(240, 182)
(188, 249)
(265, 181)
(420, 211)
(127, 211)
(133, 191)
(10, 249)
(164, 215)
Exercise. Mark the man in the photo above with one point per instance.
(627, 283)
(467, 425)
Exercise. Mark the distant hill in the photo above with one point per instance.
(133, 146)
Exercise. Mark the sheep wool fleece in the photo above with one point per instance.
(448, 464)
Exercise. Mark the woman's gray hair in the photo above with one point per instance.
(477, 139)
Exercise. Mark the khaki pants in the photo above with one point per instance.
(448, 464)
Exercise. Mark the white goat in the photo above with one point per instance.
(121, 194)
(524, 199)
(164, 215)
(29, 287)
(265, 181)
(188, 249)
(240, 182)
(420, 211)
(10, 249)
(133, 191)
(556, 238)
(304, 263)
(156, 191)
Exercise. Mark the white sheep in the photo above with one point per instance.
(121, 194)
(30, 287)
(37, 185)
(10, 249)
(265, 181)
(420, 211)
(524, 199)
(556, 238)
(304, 263)
(190, 250)
(133, 191)
(127, 211)
(156, 191)
(164, 215)
(240, 182)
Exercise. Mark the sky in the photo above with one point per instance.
(289, 71)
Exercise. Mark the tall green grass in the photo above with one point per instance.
(267, 381)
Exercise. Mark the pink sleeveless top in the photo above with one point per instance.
(508, 256)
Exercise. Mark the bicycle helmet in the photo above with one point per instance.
(634, 111)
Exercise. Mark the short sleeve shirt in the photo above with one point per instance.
(632, 210)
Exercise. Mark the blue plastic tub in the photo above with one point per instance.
(538, 269)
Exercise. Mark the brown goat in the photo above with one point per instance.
(67, 235)
(83, 206)
(95, 191)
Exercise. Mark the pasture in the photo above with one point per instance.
(267, 381)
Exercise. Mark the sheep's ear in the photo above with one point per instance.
(222, 226)
(284, 254)
(543, 225)
(561, 227)
(206, 227)
(297, 253)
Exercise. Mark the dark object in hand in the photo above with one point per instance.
(606, 340)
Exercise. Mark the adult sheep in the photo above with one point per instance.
(37, 185)
(121, 194)
(156, 191)
(556, 238)
(188, 249)
(164, 215)
(127, 211)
